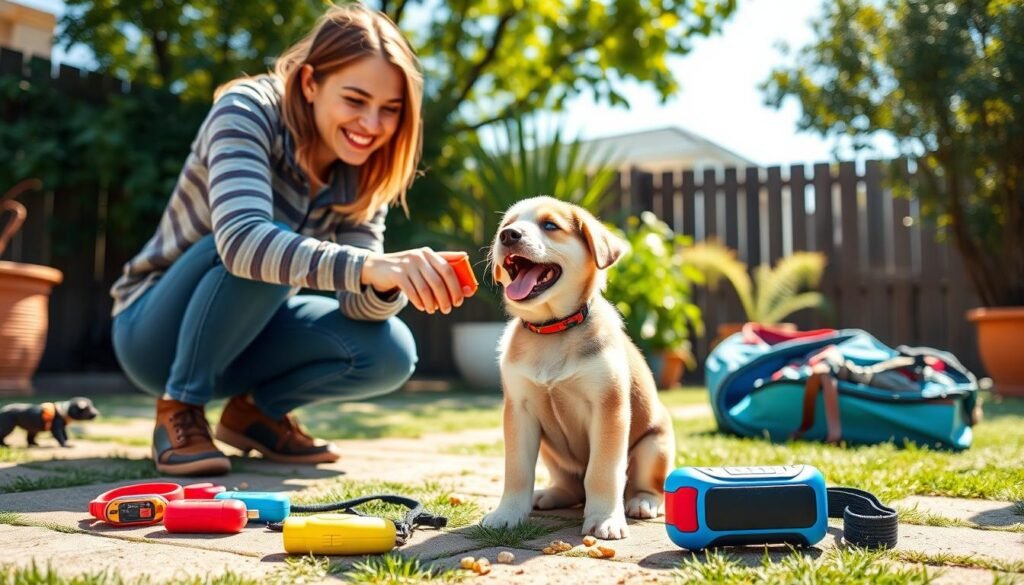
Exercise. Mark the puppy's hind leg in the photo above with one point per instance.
(651, 461)
(565, 490)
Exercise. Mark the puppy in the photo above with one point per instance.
(577, 390)
(48, 416)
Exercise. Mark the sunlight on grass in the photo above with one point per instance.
(9, 455)
(435, 497)
(848, 566)
(65, 475)
(35, 575)
(394, 569)
(888, 471)
(509, 537)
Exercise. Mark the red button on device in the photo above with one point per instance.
(681, 509)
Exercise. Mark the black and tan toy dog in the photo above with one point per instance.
(48, 416)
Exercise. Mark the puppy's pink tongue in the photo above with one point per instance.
(520, 288)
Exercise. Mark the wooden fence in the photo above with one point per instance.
(887, 272)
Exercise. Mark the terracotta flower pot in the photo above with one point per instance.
(24, 318)
(1000, 331)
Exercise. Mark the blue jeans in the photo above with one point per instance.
(201, 333)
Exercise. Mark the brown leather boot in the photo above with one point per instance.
(244, 426)
(182, 443)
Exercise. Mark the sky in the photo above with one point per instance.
(719, 98)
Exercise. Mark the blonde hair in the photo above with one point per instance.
(341, 37)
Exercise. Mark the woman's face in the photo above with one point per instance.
(356, 109)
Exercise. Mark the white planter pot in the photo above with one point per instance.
(475, 350)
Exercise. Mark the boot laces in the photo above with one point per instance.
(188, 423)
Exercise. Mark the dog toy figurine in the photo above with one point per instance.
(48, 416)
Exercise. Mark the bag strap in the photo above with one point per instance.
(821, 378)
(866, 521)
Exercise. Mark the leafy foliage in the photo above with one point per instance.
(653, 288)
(775, 292)
(945, 80)
(128, 146)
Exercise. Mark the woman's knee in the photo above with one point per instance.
(392, 356)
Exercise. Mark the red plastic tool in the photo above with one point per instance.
(206, 516)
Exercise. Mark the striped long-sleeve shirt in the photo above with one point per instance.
(241, 183)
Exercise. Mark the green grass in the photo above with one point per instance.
(9, 455)
(848, 566)
(983, 471)
(394, 569)
(683, 396)
(509, 537)
(128, 441)
(35, 575)
(434, 496)
(113, 469)
(958, 560)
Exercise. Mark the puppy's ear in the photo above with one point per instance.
(605, 246)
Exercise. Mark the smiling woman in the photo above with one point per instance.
(287, 187)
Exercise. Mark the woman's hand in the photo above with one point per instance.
(422, 274)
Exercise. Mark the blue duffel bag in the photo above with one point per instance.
(840, 386)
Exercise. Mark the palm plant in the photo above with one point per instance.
(524, 163)
(774, 293)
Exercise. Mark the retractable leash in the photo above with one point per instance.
(352, 532)
(725, 506)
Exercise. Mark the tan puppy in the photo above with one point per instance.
(577, 390)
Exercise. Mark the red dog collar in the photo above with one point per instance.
(560, 325)
(135, 505)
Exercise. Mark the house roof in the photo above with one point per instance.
(663, 147)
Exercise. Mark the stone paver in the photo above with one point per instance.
(647, 556)
(981, 512)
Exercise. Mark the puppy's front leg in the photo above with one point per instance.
(604, 514)
(522, 443)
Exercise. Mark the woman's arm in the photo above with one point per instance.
(369, 304)
(236, 144)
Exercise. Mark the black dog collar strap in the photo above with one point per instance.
(560, 325)
(866, 521)
(403, 529)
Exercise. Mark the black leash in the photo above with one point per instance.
(403, 528)
(867, 522)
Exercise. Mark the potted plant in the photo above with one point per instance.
(653, 289)
(522, 163)
(773, 294)
(943, 81)
(24, 302)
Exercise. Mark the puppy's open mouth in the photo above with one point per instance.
(529, 278)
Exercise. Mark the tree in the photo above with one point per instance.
(485, 60)
(946, 80)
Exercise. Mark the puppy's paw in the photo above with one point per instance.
(553, 497)
(607, 527)
(644, 505)
(504, 517)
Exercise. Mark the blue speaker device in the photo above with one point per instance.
(708, 507)
(726, 506)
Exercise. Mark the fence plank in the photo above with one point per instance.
(688, 199)
(849, 276)
(730, 200)
(775, 212)
(752, 210)
(11, 62)
(798, 207)
(876, 278)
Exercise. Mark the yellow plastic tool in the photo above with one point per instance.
(338, 534)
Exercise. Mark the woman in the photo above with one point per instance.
(286, 186)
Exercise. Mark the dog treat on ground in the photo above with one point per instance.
(455, 500)
(506, 557)
(560, 546)
(606, 551)
(589, 541)
(482, 566)
(467, 562)
(548, 550)
(243, 486)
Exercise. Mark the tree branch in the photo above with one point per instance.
(399, 10)
(492, 51)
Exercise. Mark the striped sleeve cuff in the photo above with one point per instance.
(349, 269)
(368, 306)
